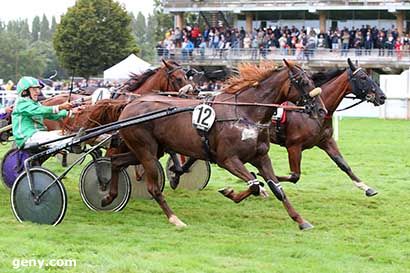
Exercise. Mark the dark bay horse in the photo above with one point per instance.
(239, 135)
(301, 132)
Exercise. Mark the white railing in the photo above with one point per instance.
(7, 97)
(215, 55)
(171, 4)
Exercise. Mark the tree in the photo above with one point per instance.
(53, 26)
(17, 58)
(140, 28)
(92, 36)
(35, 28)
(44, 29)
(24, 31)
(164, 21)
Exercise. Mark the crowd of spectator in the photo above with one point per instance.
(287, 40)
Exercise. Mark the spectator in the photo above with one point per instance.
(389, 45)
(178, 37)
(381, 40)
(345, 42)
(358, 43)
(283, 44)
(299, 49)
(187, 48)
(335, 41)
(398, 48)
(255, 46)
(368, 44)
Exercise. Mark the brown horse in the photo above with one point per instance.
(169, 77)
(301, 132)
(239, 135)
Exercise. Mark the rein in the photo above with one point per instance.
(286, 107)
(351, 106)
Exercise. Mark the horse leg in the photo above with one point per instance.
(330, 147)
(294, 158)
(235, 166)
(118, 161)
(264, 166)
(151, 173)
(146, 150)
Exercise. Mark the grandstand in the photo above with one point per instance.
(318, 14)
(322, 16)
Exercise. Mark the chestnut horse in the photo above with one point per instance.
(301, 132)
(239, 135)
(169, 77)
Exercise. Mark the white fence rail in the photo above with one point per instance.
(7, 97)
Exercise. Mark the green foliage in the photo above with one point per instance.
(53, 25)
(92, 36)
(17, 59)
(164, 21)
(44, 29)
(35, 28)
(352, 233)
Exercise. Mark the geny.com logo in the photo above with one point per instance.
(41, 263)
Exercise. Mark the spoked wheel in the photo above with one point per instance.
(93, 191)
(196, 178)
(139, 184)
(50, 208)
(12, 166)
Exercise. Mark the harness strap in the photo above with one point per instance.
(206, 146)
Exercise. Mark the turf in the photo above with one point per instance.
(352, 233)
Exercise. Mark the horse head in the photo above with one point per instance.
(175, 76)
(102, 112)
(303, 90)
(363, 87)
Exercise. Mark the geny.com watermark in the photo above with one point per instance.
(41, 263)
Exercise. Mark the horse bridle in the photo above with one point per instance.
(305, 99)
(358, 89)
(169, 74)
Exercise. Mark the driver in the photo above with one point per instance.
(28, 115)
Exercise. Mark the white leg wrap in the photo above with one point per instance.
(361, 185)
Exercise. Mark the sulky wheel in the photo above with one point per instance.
(196, 178)
(12, 165)
(93, 190)
(139, 185)
(48, 209)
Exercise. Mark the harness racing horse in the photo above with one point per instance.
(239, 135)
(301, 132)
(169, 77)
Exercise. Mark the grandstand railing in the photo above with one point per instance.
(389, 58)
(169, 4)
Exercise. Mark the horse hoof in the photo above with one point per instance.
(106, 201)
(174, 181)
(175, 221)
(225, 191)
(305, 226)
(370, 192)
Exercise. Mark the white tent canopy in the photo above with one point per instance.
(122, 70)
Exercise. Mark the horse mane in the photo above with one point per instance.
(321, 78)
(136, 80)
(103, 112)
(106, 111)
(249, 75)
